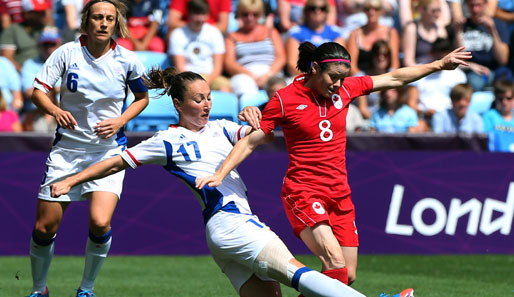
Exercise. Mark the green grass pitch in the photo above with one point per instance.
(197, 276)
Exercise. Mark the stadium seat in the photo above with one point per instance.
(158, 115)
(152, 59)
(481, 101)
(224, 106)
(255, 99)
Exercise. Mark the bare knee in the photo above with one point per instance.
(46, 228)
(99, 226)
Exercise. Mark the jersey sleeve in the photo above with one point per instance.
(135, 76)
(234, 132)
(272, 114)
(52, 71)
(150, 151)
(356, 86)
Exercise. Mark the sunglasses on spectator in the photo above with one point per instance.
(247, 14)
(316, 8)
(368, 8)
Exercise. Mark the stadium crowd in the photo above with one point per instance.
(244, 47)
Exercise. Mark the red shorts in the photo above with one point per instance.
(307, 211)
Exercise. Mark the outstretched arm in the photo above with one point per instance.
(96, 171)
(402, 76)
(239, 153)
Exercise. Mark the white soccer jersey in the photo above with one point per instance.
(92, 89)
(189, 155)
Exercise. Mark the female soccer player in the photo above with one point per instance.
(95, 74)
(312, 112)
(246, 250)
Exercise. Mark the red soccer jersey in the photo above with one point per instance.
(315, 133)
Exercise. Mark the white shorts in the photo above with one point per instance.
(235, 241)
(62, 163)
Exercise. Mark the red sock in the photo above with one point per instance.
(341, 274)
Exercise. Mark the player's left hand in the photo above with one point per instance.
(454, 59)
(211, 181)
(59, 188)
(108, 128)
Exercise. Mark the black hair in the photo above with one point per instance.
(309, 53)
(197, 7)
(173, 84)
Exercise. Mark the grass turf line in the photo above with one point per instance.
(198, 276)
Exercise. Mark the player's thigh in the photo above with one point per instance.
(48, 217)
(256, 287)
(322, 242)
(101, 210)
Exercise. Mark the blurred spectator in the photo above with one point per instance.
(69, 18)
(34, 119)
(274, 84)
(394, 116)
(362, 39)
(199, 47)
(458, 119)
(350, 15)
(254, 53)
(291, 13)
(418, 36)
(10, 85)
(499, 121)
(457, 11)
(11, 11)
(313, 29)
(18, 43)
(380, 64)
(486, 38)
(9, 119)
(431, 94)
(354, 120)
(143, 20)
(219, 11)
(505, 11)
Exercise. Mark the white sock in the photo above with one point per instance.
(95, 256)
(315, 284)
(41, 253)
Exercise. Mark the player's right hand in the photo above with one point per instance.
(59, 188)
(211, 181)
(65, 119)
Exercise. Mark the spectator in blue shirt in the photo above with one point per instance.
(499, 121)
(394, 116)
(10, 85)
(34, 119)
(458, 118)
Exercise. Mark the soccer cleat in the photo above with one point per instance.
(39, 294)
(405, 293)
(85, 293)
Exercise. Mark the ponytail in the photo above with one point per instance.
(329, 52)
(173, 84)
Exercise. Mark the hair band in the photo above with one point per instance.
(335, 60)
